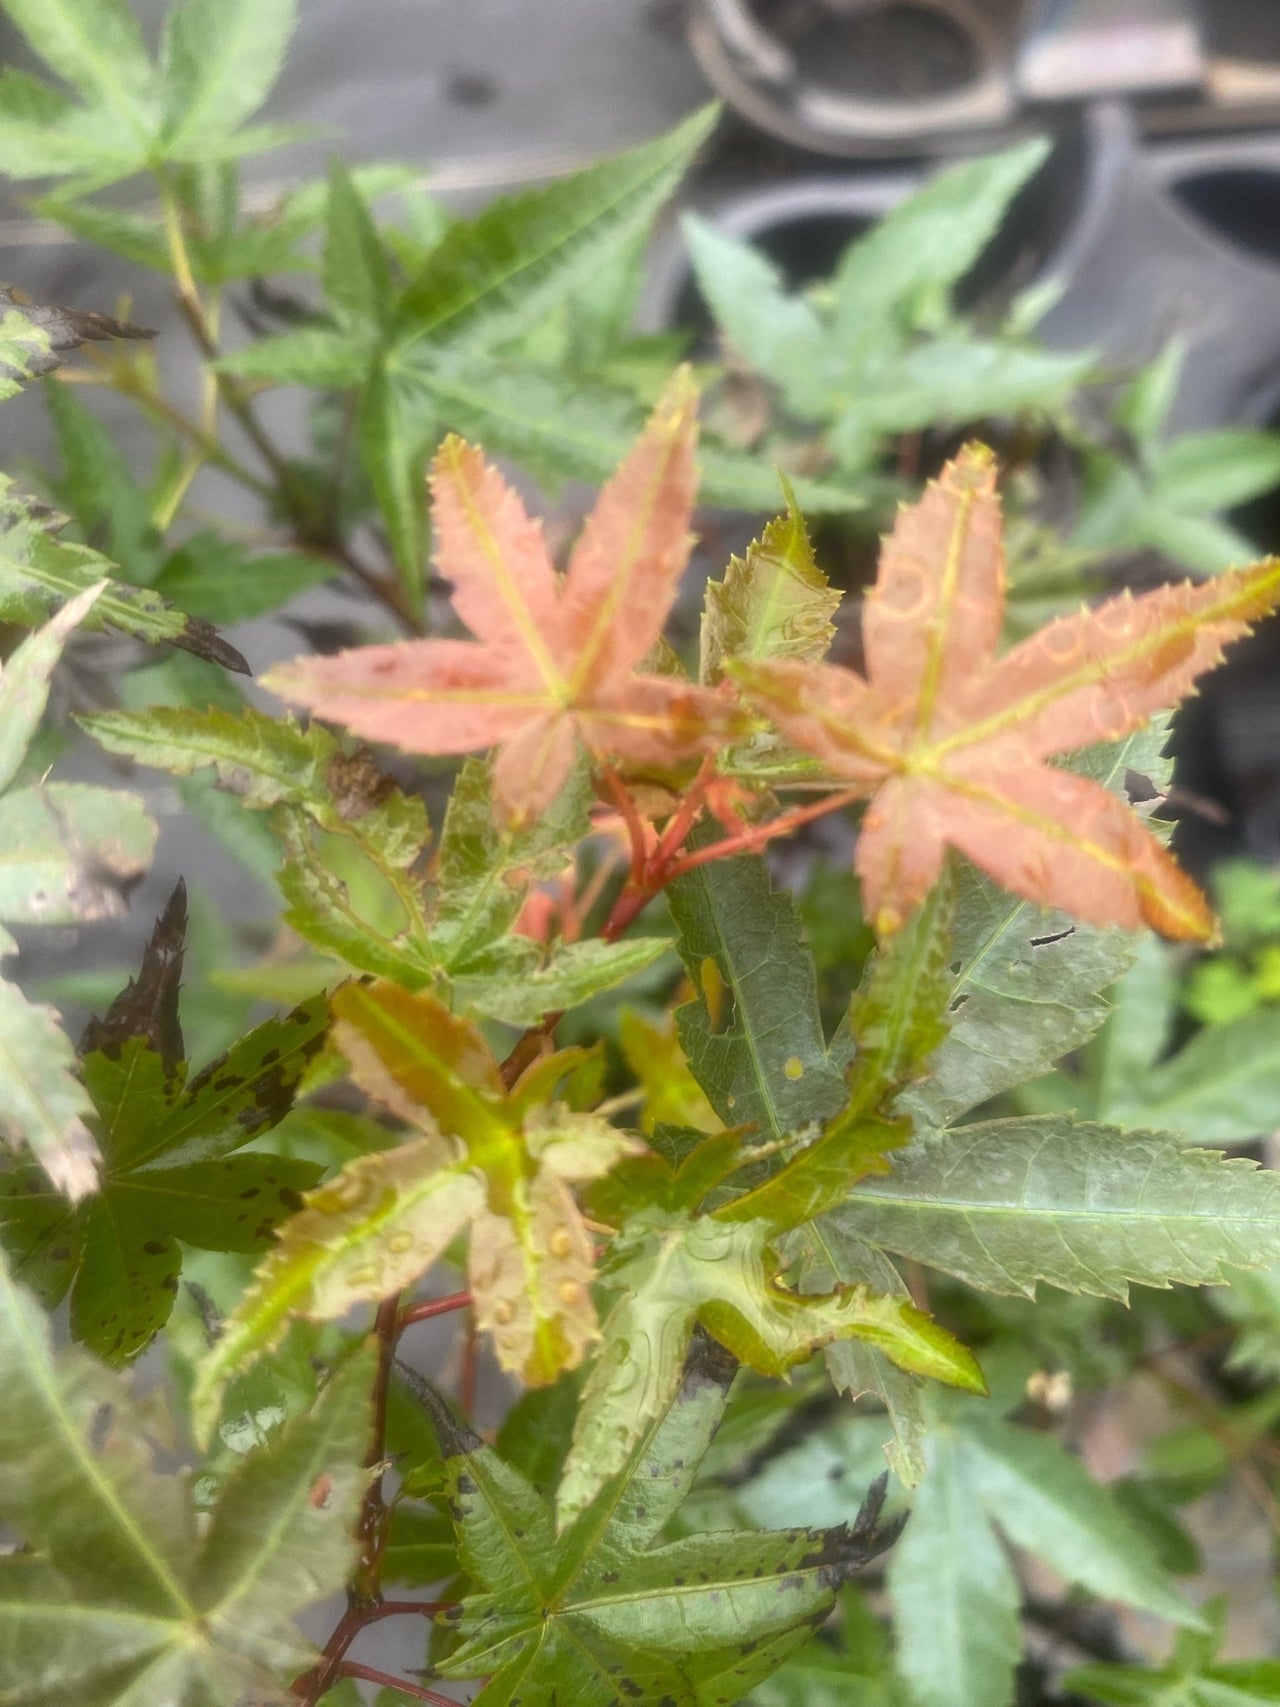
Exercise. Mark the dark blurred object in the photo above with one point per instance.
(880, 77)
(1150, 240)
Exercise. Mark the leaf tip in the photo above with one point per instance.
(676, 411)
(73, 1165)
(973, 469)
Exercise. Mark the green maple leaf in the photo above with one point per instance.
(884, 347)
(955, 1594)
(674, 1272)
(454, 934)
(118, 111)
(120, 1595)
(485, 283)
(169, 1168)
(603, 1611)
(1193, 1675)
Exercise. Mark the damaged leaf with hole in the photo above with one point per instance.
(72, 853)
(171, 1603)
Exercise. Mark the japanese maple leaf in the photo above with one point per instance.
(949, 741)
(495, 1162)
(555, 658)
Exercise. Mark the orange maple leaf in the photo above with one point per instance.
(949, 741)
(555, 658)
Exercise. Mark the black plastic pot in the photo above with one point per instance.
(1148, 242)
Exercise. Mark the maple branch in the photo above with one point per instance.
(1241, 1452)
(387, 591)
(364, 1596)
(631, 818)
(753, 839)
(126, 381)
(352, 1668)
(314, 1683)
(583, 902)
(626, 909)
(433, 1307)
(191, 306)
(652, 872)
(386, 1326)
(314, 528)
(363, 1590)
(410, 1609)
(682, 819)
(470, 1369)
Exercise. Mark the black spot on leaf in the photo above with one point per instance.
(1054, 936)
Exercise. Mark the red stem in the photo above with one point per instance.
(352, 1668)
(313, 1684)
(410, 1609)
(683, 816)
(653, 873)
(386, 1326)
(759, 834)
(467, 1385)
(363, 1593)
(630, 817)
(433, 1307)
(629, 905)
(371, 1533)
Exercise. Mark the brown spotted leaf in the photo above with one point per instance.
(555, 661)
(498, 1162)
(147, 1007)
(41, 573)
(36, 336)
(183, 1584)
(170, 1172)
(949, 740)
